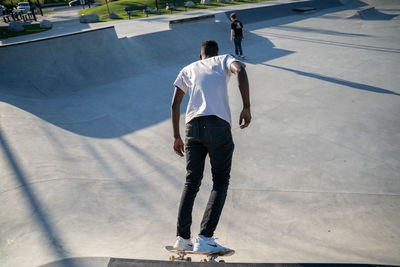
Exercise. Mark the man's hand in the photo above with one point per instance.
(179, 147)
(245, 116)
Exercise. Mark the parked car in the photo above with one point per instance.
(2, 8)
(24, 5)
(78, 2)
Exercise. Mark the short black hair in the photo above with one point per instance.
(209, 48)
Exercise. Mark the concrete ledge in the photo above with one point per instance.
(81, 262)
(115, 262)
(192, 19)
(305, 9)
(118, 262)
(58, 36)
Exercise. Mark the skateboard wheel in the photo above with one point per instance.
(189, 259)
(203, 260)
(171, 258)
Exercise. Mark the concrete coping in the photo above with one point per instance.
(191, 19)
(57, 36)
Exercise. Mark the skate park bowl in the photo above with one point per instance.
(370, 13)
(89, 178)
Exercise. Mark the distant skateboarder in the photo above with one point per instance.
(208, 131)
(237, 35)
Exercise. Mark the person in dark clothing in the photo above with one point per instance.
(237, 35)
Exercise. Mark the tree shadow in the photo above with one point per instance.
(41, 217)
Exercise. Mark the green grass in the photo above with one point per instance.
(29, 29)
(118, 7)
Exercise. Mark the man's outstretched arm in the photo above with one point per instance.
(239, 69)
(179, 147)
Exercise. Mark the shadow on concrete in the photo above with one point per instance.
(349, 84)
(104, 87)
(314, 30)
(370, 13)
(333, 43)
(280, 10)
(43, 220)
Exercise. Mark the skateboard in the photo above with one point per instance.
(211, 257)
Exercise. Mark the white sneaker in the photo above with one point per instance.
(206, 244)
(183, 244)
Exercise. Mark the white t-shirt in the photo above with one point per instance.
(206, 82)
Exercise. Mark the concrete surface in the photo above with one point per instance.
(67, 20)
(115, 262)
(88, 171)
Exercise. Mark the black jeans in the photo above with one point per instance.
(205, 135)
(238, 45)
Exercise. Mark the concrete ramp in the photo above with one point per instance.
(371, 13)
(65, 64)
(382, 2)
(376, 3)
(192, 19)
(277, 10)
(84, 71)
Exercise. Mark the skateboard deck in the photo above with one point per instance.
(211, 256)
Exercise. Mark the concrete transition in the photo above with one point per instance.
(251, 15)
(88, 176)
(192, 19)
(370, 13)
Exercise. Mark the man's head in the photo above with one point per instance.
(233, 16)
(209, 49)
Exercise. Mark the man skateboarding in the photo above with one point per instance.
(237, 35)
(208, 131)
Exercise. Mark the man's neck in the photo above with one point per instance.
(205, 57)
